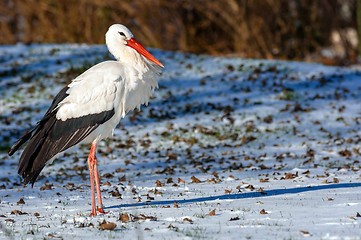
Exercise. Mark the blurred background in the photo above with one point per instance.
(326, 31)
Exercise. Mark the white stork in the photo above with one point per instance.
(90, 107)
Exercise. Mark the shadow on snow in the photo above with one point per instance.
(274, 192)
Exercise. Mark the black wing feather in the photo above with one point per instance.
(52, 136)
(58, 98)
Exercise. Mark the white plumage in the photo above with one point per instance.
(90, 107)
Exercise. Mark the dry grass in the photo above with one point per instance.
(252, 28)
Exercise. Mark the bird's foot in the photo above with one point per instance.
(93, 213)
(101, 210)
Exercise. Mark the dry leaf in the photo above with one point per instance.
(124, 217)
(305, 233)
(107, 225)
(21, 201)
(212, 213)
(263, 212)
(180, 180)
(17, 212)
(234, 219)
(227, 191)
(142, 217)
(157, 192)
(108, 175)
(172, 156)
(195, 180)
(46, 187)
(116, 193)
(159, 183)
(215, 174)
(122, 179)
(289, 176)
(306, 172)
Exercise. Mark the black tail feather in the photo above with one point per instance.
(53, 136)
(20, 142)
(31, 161)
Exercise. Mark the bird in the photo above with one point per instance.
(90, 107)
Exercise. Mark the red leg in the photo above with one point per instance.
(94, 176)
(91, 172)
(97, 184)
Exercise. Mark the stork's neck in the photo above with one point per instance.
(131, 59)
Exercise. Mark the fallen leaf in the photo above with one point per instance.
(21, 201)
(180, 180)
(263, 212)
(289, 176)
(227, 191)
(159, 183)
(195, 180)
(122, 179)
(46, 187)
(124, 217)
(172, 156)
(108, 175)
(264, 180)
(116, 193)
(107, 225)
(18, 212)
(215, 174)
(157, 192)
(306, 172)
(345, 153)
(212, 213)
(143, 217)
(305, 233)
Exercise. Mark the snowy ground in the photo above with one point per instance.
(228, 148)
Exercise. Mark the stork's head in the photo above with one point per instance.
(124, 47)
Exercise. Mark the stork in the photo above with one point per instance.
(90, 107)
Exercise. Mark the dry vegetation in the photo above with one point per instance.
(294, 29)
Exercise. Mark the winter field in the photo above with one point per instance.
(228, 148)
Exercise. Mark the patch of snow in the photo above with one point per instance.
(275, 146)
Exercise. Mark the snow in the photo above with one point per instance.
(228, 148)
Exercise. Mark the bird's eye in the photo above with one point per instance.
(122, 34)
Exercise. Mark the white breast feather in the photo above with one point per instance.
(106, 86)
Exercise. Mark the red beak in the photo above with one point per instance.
(140, 49)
